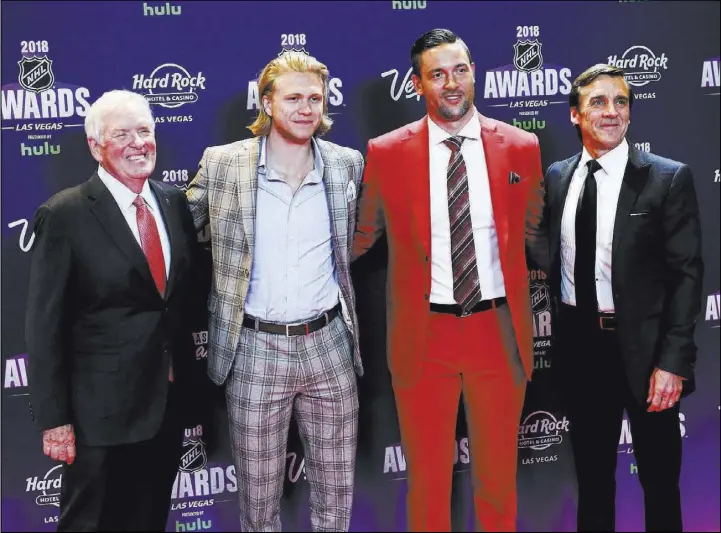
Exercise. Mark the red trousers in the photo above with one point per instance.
(475, 355)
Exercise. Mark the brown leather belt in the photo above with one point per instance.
(292, 330)
(455, 309)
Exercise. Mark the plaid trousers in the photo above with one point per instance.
(274, 376)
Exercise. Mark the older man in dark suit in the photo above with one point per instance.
(107, 342)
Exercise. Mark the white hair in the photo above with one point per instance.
(109, 102)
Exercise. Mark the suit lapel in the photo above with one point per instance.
(634, 181)
(246, 163)
(497, 165)
(560, 200)
(105, 208)
(335, 188)
(174, 228)
(415, 165)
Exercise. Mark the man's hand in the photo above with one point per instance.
(59, 443)
(664, 390)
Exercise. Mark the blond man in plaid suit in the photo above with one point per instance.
(283, 334)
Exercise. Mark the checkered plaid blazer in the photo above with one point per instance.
(223, 194)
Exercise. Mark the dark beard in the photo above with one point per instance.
(448, 114)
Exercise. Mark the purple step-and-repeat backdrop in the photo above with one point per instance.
(197, 63)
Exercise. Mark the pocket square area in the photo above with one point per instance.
(640, 213)
(350, 192)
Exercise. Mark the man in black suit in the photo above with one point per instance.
(625, 276)
(107, 341)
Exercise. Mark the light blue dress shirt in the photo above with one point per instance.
(293, 275)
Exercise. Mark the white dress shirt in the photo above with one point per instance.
(485, 238)
(124, 197)
(608, 183)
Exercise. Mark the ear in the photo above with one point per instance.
(95, 149)
(473, 71)
(574, 116)
(265, 102)
(417, 84)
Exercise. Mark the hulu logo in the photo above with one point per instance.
(43, 149)
(167, 9)
(529, 125)
(198, 525)
(409, 5)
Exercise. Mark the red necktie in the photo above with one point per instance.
(466, 285)
(150, 242)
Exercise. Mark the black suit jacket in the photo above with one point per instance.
(99, 334)
(656, 270)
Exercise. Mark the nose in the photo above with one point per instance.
(304, 108)
(136, 139)
(610, 110)
(451, 82)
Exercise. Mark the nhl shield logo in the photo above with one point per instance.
(194, 456)
(300, 50)
(36, 73)
(540, 300)
(527, 56)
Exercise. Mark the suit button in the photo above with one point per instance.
(426, 259)
(425, 297)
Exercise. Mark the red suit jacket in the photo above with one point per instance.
(396, 198)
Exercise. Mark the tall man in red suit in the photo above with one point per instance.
(455, 192)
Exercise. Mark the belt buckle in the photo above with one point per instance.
(306, 327)
(601, 323)
(465, 313)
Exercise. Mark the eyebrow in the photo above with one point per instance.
(439, 69)
(125, 130)
(602, 95)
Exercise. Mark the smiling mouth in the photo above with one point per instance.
(136, 158)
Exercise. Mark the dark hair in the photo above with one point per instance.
(431, 39)
(587, 76)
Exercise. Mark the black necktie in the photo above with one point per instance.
(584, 274)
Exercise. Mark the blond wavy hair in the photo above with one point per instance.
(289, 61)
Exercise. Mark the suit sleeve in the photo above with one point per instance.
(682, 228)
(190, 230)
(193, 316)
(371, 220)
(358, 165)
(197, 195)
(45, 323)
(537, 216)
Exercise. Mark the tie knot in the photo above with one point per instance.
(139, 202)
(454, 143)
(593, 167)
